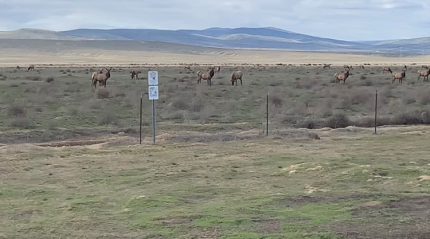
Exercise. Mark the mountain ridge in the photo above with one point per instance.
(231, 38)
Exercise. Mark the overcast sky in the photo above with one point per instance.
(342, 19)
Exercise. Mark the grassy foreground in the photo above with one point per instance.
(361, 186)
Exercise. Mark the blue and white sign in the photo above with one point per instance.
(152, 77)
(153, 92)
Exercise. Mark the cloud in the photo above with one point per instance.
(347, 19)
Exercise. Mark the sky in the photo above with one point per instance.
(354, 20)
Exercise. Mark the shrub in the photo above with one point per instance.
(21, 122)
(108, 118)
(338, 121)
(16, 111)
(276, 100)
(180, 104)
(50, 79)
(103, 93)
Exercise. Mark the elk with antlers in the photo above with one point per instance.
(342, 76)
(101, 77)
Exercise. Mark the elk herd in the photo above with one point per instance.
(400, 75)
(103, 75)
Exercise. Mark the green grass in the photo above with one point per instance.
(247, 189)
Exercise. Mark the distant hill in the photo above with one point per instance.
(37, 34)
(236, 38)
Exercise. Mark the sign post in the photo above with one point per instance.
(153, 95)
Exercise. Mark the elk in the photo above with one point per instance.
(326, 66)
(399, 76)
(205, 76)
(101, 78)
(346, 67)
(424, 74)
(425, 67)
(95, 73)
(17, 67)
(341, 76)
(135, 74)
(31, 67)
(387, 69)
(236, 75)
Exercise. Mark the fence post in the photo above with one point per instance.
(267, 114)
(376, 109)
(140, 122)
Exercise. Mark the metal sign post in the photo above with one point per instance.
(153, 95)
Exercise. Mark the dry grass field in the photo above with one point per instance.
(71, 165)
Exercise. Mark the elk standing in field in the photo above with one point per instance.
(399, 75)
(95, 73)
(18, 68)
(387, 69)
(424, 74)
(326, 66)
(205, 76)
(341, 76)
(135, 75)
(425, 67)
(236, 75)
(101, 78)
(346, 67)
(31, 67)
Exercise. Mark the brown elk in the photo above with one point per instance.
(18, 68)
(31, 67)
(218, 69)
(346, 67)
(425, 67)
(342, 76)
(424, 74)
(399, 75)
(205, 76)
(95, 73)
(236, 75)
(101, 78)
(326, 66)
(135, 74)
(387, 69)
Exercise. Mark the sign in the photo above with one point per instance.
(152, 77)
(153, 92)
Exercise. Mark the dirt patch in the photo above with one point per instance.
(405, 218)
(305, 199)
(267, 226)
(44, 136)
(178, 220)
(194, 137)
(72, 143)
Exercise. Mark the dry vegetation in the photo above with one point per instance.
(308, 96)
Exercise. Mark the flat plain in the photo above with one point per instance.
(72, 167)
